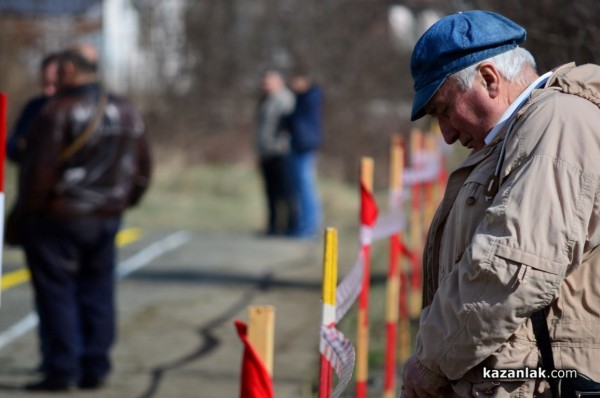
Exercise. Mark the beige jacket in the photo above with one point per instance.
(489, 264)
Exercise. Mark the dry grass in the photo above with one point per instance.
(224, 198)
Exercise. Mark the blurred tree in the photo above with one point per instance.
(201, 62)
(558, 31)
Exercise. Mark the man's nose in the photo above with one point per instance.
(449, 133)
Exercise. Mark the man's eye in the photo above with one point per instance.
(431, 112)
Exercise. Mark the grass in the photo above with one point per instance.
(224, 198)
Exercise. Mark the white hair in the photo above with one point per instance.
(510, 64)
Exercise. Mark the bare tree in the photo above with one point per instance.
(204, 107)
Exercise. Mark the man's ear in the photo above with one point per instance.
(491, 78)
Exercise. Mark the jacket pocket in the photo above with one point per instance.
(529, 259)
(532, 281)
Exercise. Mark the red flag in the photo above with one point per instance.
(368, 207)
(255, 380)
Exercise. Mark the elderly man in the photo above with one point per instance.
(87, 162)
(517, 234)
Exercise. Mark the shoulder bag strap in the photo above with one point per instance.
(87, 133)
(542, 338)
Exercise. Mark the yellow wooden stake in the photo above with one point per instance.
(261, 333)
(396, 170)
(330, 262)
(367, 167)
(330, 259)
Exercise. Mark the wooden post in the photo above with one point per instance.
(261, 333)
(330, 256)
(362, 348)
(404, 323)
(430, 186)
(443, 176)
(393, 278)
(416, 228)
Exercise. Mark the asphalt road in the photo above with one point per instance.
(178, 295)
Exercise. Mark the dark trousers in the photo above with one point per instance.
(72, 269)
(282, 204)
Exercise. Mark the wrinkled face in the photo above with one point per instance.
(465, 116)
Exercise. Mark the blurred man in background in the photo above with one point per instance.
(17, 148)
(305, 126)
(17, 143)
(88, 161)
(273, 147)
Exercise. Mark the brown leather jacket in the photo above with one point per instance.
(109, 173)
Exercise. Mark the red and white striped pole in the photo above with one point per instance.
(368, 216)
(3, 123)
(393, 280)
(404, 323)
(328, 317)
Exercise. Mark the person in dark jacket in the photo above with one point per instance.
(88, 161)
(305, 126)
(17, 142)
(16, 146)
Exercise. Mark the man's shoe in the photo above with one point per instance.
(50, 384)
(92, 383)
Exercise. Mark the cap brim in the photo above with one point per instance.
(422, 97)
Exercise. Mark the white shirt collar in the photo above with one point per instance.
(516, 104)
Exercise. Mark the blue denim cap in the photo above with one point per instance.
(454, 43)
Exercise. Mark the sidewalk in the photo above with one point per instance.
(176, 332)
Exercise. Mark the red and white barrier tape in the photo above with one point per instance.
(426, 167)
(339, 351)
(348, 290)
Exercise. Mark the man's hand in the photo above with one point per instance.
(420, 382)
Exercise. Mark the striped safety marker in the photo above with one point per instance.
(3, 110)
(330, 256)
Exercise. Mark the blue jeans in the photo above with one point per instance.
(303, 175)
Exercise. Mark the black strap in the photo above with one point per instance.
(542, 337)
